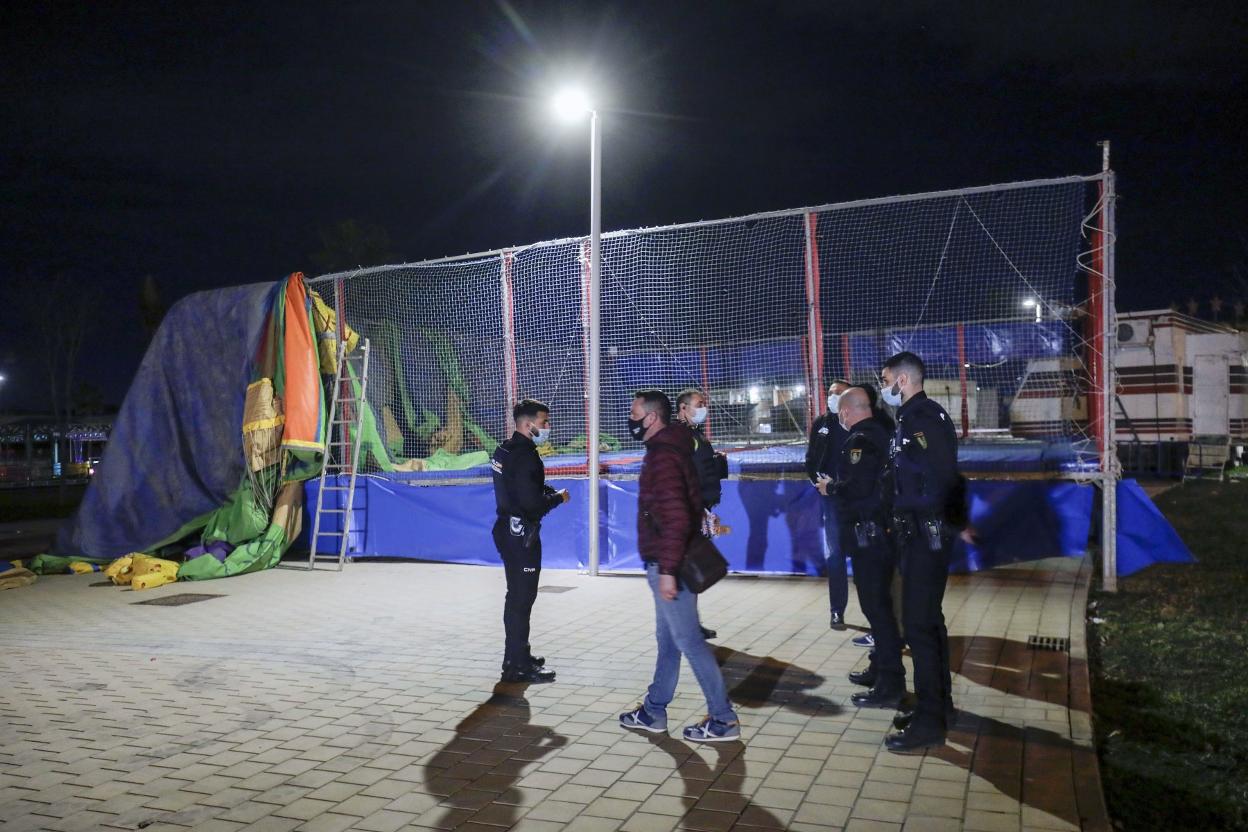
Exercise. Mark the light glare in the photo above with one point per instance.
(571, 103)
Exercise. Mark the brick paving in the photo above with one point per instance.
(366, 700)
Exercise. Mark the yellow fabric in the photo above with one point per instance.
(325, 321)
(144, 565)
(288, 509)
(16, 577)
(80, 568)
(262, 425)
(153, 580)
(120, 571)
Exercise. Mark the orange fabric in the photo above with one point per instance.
(303, 383)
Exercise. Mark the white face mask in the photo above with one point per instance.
(892, 395)
(698, 417)
(541, 435)
(834, 401)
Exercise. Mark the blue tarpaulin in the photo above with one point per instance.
(776, 523)
(175, 452)
(1145, 536)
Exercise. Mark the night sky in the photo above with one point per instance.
(208, 144)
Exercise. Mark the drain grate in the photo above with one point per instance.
(177, 600)
(550, 588)
(1059, 645)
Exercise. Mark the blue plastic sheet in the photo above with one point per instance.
(776, 524)
(176, 447)
(1145, 536)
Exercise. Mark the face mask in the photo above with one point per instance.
(698, 417)
(892, 395)
(834, 399)
(636, 428)
(542, 436)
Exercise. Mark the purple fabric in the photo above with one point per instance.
(219, 550)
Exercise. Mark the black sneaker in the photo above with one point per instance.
(708, 633)
(837, 622)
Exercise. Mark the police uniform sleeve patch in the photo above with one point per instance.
(855, 455)
(921, 439)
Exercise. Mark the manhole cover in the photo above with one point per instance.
(177, 600)
(555, 588)
(1060, 645)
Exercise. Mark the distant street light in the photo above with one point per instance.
(1032, 303)
(572, 104)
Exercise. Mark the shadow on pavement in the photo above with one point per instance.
(496, 732)
(710, 791)
(754, 681)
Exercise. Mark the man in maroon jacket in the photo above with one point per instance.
(669, 513)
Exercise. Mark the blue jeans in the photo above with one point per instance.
(838, 576)
(677, 630)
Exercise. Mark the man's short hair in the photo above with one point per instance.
(683, 397)
(909, 363)
(837, 381)
(656, 401)
(528, 409)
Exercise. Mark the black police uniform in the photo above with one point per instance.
(862, 506)
(522, 498)
(710, 466)
(924, 471)
(827, 438)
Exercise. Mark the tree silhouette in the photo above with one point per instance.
(350, 244)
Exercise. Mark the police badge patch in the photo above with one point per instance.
(921, 439)
(855, 454)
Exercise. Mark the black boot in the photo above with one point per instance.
(914, 740)
(527, 673)
(708, 633)
(537, 661)
(905, 715)
(866, 678)
(885, 694)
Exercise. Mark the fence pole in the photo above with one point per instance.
(1108, 334)
(595, 331)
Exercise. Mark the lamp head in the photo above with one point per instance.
(570, 103)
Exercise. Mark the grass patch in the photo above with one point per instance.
(1169, 689)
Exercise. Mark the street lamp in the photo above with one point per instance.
(1032, 303)
(571, 104)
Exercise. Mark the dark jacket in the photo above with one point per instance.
(826, 438)
(711, 468)
(859, 482)
(669, 499)
(520, 488)
(924, 457)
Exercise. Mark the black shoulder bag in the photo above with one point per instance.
(703, 565)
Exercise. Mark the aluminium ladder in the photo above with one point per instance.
(341, 454)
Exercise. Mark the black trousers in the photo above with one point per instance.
(874, 565)
(924, 573)
(523, 567)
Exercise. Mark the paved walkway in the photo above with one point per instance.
(366, 700)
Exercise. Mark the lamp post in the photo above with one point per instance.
(571, 104)
(1032, 303)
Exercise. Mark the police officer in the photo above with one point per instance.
(711, 467)
(826, 438)
(862, 514)
(924, 472)
(522, 498)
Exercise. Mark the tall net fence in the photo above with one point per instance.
(987, 285)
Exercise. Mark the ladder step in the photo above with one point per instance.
(329, 534)
(336, 488)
